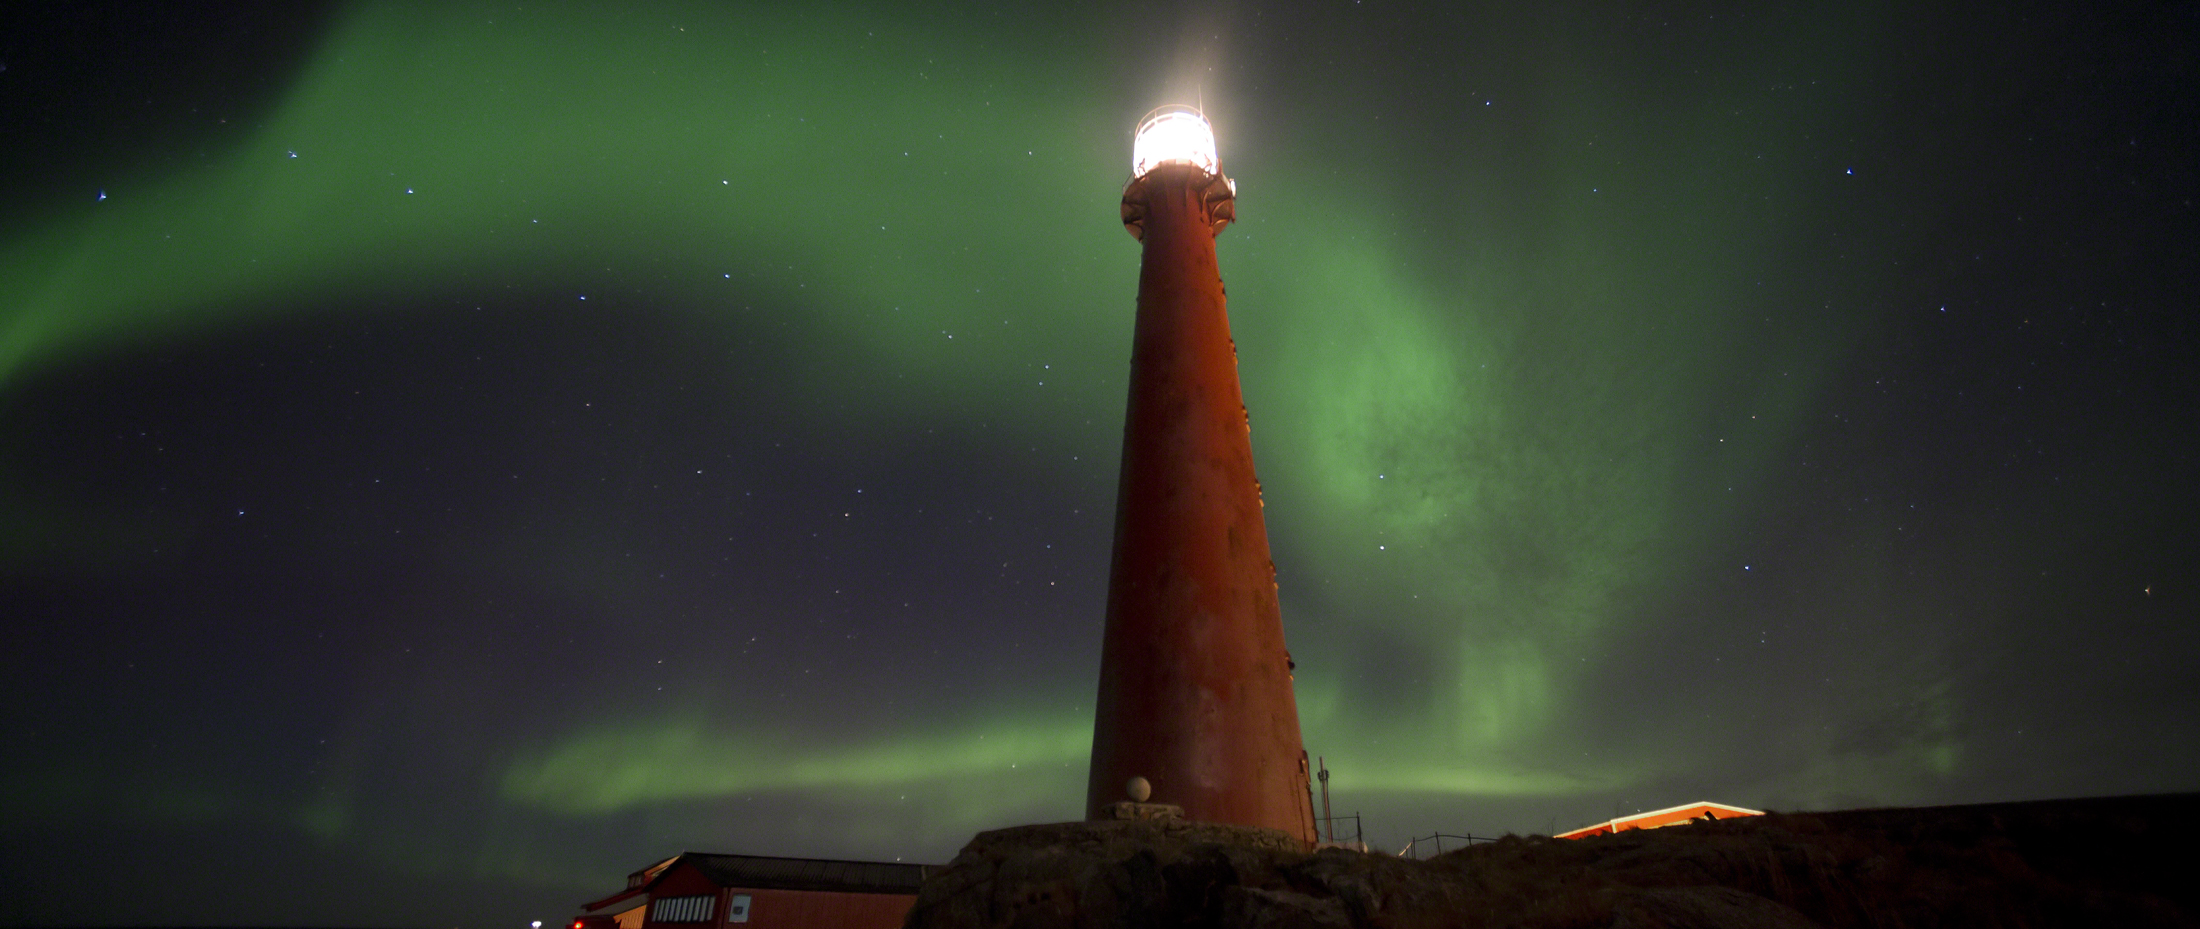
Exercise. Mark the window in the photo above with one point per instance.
(694, 909)
(737, 909)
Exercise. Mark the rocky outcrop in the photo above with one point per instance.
(1145, 872)
(2117, 861)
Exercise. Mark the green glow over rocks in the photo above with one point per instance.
(639, 763)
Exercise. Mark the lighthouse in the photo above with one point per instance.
(1195, 708)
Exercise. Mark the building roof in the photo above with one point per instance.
(1670, 816)
(619, 902)
(878, 877)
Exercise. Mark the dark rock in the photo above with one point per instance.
(2119, 861)
(1258, 908)
(1725, 907)
(1092, 875)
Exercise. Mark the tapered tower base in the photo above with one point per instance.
(1195, 684)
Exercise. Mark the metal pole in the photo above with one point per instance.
(1329, 824)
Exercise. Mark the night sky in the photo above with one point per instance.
(453, 455)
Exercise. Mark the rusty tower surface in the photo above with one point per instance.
(1195, 686)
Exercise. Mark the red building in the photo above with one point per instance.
(1670, 816)
(694, 890)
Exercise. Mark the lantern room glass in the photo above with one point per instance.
(1174, 134)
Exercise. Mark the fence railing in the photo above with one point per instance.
(1429, 846)
(1349, 835)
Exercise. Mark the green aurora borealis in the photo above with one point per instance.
(1632, 394)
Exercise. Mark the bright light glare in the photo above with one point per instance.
(1171, 134)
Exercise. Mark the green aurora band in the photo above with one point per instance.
(1498, 411)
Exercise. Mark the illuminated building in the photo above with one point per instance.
(1195, 698)
(1700, 811)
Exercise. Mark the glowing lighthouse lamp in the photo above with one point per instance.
(1176, 135)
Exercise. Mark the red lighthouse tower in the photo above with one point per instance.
(1195, 699)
